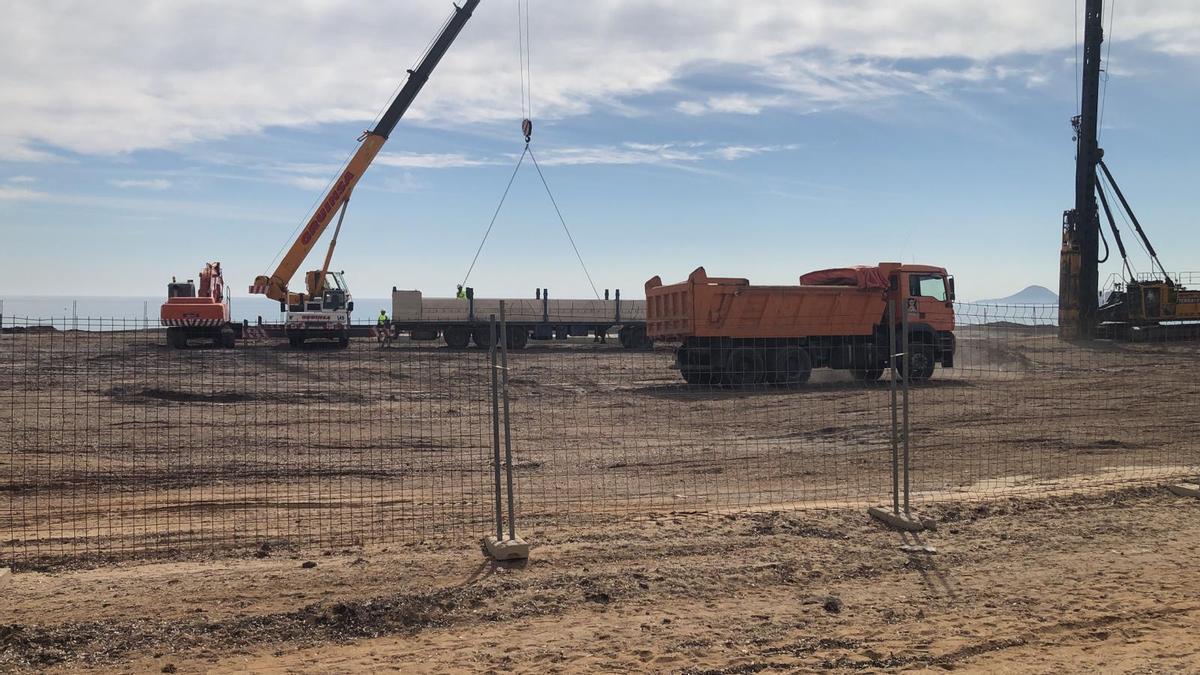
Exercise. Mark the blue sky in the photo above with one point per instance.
(760, 141)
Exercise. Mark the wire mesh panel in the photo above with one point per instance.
(713, 424)
(116, 444)
(1025, 412)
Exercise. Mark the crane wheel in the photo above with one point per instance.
(295, 341)
(457, 337)
(343, 340)
(177, 338)
(227, 338)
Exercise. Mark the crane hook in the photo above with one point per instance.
(527, 128)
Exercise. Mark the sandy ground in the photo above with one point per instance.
(1102, 582)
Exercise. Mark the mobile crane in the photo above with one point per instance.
(1144, 306)
(323, 310)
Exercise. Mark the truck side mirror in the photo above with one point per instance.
(950, 288)
(350, 306)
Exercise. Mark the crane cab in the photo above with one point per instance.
(323, 313)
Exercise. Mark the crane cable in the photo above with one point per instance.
(527, 131)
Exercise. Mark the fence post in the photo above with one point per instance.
(499, 547)
(496, 429)
(897, 518)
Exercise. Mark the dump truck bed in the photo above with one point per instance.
(706, 306)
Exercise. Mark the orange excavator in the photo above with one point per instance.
(323, 310)
(189, 314)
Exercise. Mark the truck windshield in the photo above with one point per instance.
(927, 286)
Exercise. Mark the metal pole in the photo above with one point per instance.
(496, 430)
(508, 463)
(891, 347)
(907, 377)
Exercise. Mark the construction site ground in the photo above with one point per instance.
(673, 529)
(1102, 582)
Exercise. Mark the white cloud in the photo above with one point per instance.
(648, 153)
(738, 103)
(146, 184)
(22, 179)
(162, 75)
(416, 160)
(17, 194)
(307, 183)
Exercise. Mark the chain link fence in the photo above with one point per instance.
(117, 446)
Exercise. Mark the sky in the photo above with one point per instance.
(139, 140)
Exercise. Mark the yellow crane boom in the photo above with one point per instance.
(275, 286)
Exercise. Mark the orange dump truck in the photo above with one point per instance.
(732, 332)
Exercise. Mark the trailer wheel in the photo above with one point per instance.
(634, 337)
(744, 367)
(227, 338)
(177, 338)
(792, 366)
(457, 337)
(518, 337)
(482, 337)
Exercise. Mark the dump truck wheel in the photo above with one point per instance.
(697, 377)
(296, 341)
(791, 366)
(518, 337)
(921, 362)
(869, 375)
(343, 340)
(744, 367)
(623, 337)
(456, 337)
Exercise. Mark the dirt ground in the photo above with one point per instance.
(159, 507)
(117, 447)
(1102, 582)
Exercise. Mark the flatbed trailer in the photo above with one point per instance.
(460, 322)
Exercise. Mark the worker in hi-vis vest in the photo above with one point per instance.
(462, 293)
(383, 326)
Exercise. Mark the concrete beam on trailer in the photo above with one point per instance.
(506, 549)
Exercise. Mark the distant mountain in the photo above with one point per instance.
(1031, 295)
